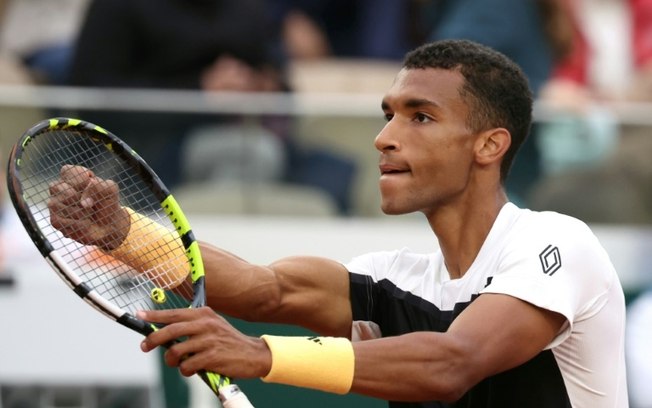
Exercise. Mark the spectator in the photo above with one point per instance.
(45, 52)
(373, 29)
(210, 45)
(624, 170)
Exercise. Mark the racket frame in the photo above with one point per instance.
(229, 393)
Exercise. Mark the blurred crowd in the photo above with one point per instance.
(580, 161)
(254, 45)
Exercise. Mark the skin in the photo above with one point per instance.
(429, 162)
(78, 201)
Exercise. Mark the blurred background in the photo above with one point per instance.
(260, 115)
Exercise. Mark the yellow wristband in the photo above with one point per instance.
(321, 363)
(153, 250)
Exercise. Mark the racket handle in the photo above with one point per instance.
(232, 397)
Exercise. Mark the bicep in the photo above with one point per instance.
(503, 332)
(314, 293)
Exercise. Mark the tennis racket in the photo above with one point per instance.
(170, 271)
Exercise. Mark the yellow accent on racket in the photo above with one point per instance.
(158, 295)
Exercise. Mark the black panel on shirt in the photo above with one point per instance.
(535, 384)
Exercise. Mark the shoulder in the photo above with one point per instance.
(549, 220)
(554, 262)
(535, 228)
(536, 244)
(383, 264)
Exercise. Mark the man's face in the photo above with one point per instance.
(426, 148)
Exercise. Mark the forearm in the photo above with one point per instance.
(309, 292)
(237, 287)
(413, 367)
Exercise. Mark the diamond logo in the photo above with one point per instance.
(550, 260)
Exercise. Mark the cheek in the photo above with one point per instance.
(444, 169)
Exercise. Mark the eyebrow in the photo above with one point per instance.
(413, 103)
(419, 102)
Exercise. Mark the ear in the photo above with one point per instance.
(492, 145)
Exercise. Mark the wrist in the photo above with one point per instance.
(119, 234)
(152, 249)
(264, 360)
(322, 363)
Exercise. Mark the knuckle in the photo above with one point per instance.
(77, 176)
(173, 355)
(185, 369)
(214, 355)
(169, 358)
(205, 311)
(101, 187)
(55, 187)
(175, 331)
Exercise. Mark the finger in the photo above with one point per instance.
(63, 192)
(168, 335)
(202, 353)
(72, 211)
(190, 365)
(70, 228)
(179, 352)
(177, 323)
(76, 176)
(102, 195)
(167, 316)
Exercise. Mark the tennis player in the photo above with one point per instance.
(514, 309)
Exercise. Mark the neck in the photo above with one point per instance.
(462, 229)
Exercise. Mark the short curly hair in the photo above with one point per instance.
(495, 88)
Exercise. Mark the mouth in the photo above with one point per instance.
(389, 169)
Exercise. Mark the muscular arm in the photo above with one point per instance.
(306, 291)
(310, 292)
(495, 333)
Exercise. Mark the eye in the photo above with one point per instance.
(422, 118)
(389, 116)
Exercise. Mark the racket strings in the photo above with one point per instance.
(114, 280)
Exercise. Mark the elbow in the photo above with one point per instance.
(449, 386)
(458, 376)
(452, 391)
(446, 385)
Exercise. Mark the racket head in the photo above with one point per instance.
(110, 285)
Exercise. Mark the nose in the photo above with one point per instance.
(386, 139)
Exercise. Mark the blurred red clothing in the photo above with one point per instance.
(641, 14)
(575, 67)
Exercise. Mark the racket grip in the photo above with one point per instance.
(232, 397)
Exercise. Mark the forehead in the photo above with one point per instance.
(440, 86)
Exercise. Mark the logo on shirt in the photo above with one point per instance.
(550, 260)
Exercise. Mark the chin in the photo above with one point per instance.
(389, 209)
